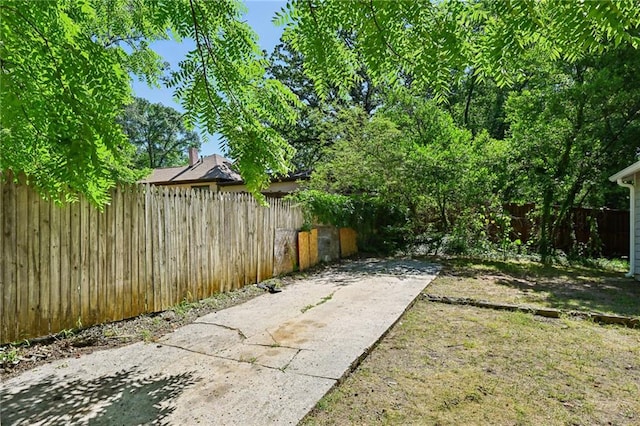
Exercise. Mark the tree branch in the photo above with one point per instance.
(381, 34)
(202, 58)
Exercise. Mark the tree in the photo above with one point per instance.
(287, 66)
(409, 169)
(438, 47)
(434, 42)
(158, 133)
(65, 67)
(65, 71)
(480, 105)
(573, 125)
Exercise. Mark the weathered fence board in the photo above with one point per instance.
(8, 262)
(285, 251)
(308, 249)
(150, 248)
(22, 291)
(45, 266)
(54, 316)
(313, 247)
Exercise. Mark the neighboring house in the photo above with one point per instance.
(630, 178)
(279, 187)
(205, 173)
(216, 173)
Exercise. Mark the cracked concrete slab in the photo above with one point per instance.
(259, 314)
(267, 361)
(266, 356)
(207, 339)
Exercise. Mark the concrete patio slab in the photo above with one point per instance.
(266, 361)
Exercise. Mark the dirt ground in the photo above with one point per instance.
(451, 365)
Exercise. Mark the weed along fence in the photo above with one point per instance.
(152, 247)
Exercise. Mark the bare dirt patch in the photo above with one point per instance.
(449, 365)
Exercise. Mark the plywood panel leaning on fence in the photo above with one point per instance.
(313, 247)
(308, 249)
(348, 242)
(303, 250)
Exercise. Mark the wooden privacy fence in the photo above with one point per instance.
(605, 231)
(152, 247)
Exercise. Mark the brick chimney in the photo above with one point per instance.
(193, 156)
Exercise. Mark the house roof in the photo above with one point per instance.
(211, 168)
(625, 173)
(291, 177)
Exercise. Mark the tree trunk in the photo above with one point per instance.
(468, 103)
(545, 243)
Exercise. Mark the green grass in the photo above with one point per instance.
(146, 335)
(9, 354)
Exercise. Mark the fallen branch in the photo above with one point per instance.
(544, 312)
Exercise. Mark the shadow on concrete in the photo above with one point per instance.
(124, 398)
(352, 271)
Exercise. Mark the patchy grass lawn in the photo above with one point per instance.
(529, 283)
(451, 365)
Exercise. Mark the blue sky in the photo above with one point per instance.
(258, 16)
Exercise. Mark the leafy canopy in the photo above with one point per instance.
(65, 74)
(314, 114)
(66, 66)
(432, 43)
(404, 171)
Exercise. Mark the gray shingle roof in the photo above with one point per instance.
(207, 169)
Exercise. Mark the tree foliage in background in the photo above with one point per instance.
(65, 77)
(158, 133)
(569, 126)
(531, 68)
(573, 125)
(61, 91)
(408, 170)
(285, 66)
(314, 114)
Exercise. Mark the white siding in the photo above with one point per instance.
(637, 225)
